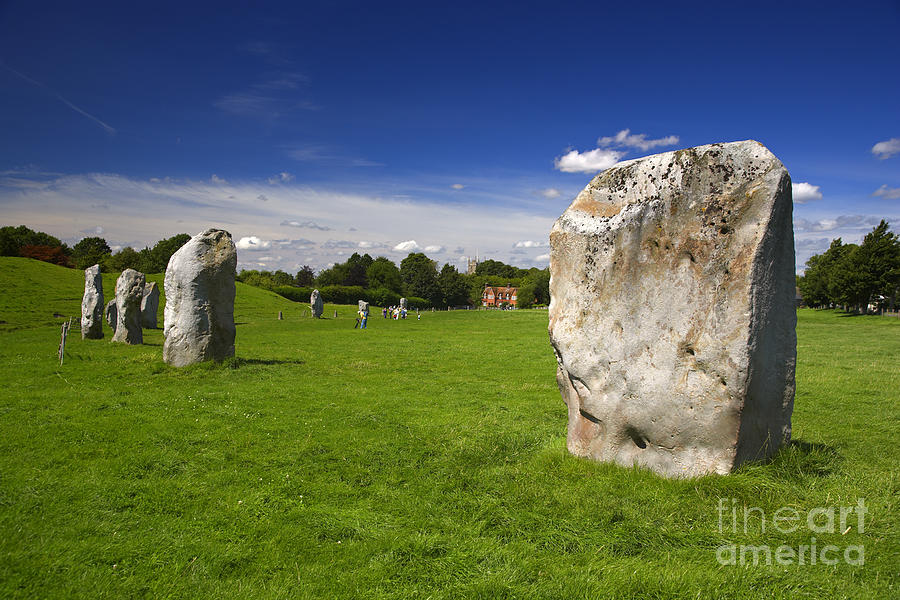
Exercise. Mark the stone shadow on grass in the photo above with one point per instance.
(238, 362)
(801, 459)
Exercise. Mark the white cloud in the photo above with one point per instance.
(371, 245)
(624, 139)
(407, 246)
(305, 225)
(434, 249)
(282, 177)
(804, 192)
(253, 243)
(887, 148)
(457, 186)
(588, 162)
(887, 193)
(841, 222)
(530, 244)
(543, 258)
(550, 193)
(217, 180)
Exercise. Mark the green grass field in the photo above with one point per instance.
(416, 459)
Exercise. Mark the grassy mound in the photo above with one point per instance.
(414, 459)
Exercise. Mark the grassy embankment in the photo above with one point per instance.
(415, 459)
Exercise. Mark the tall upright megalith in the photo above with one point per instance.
(129, 292)
(92, 304)
(316, 306)
(200, 288)
(150, 305)
(672, 310)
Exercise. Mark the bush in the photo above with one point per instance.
(296, 294)
(415, 303)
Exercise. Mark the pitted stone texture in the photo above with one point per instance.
(129, 292)
(315, 304)
(111, 314)
(150, 305)
(363, 306)
(672, 310)
(92, 304)
(200, 288)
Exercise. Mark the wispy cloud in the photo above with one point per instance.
(888, 193)
(804, 192)
(887, 148)
(283, 177)
(107, 128)
(625, 139)
(550, 193)
(305, 225)
(530, 244)
(323, 154)
(458, 186)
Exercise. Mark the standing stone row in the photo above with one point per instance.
(199, 312)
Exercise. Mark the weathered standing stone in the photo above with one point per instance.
(315, 304)
(404, 303)
(200, 288)
(129, 292)
(92, 304)
(363, 306)
(111, 314)
(671, 313)
(150, 305)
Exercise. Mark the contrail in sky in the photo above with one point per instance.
(61, 98)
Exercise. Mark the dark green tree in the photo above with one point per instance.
(419, 275)
(454, 291)
(306, 277)
(90, 251)
(13, 239)
(158, 256)
(383, 273)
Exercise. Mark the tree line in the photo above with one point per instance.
(855, 276)
(22, 241)
(381, 282)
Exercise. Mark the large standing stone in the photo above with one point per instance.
(92, 304)
(150, 305)
(129, 292)
(404, 303)
(199, 313)
(315, 304)
(363, 306)
(112, 314)
(671, 313)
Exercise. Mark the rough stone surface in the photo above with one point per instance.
(315, 304)
(363, 306)
(150, 305)
(200, 288)
(111, 314)
(129, 292)
(671, 313)
(404, 303)
(92, 304)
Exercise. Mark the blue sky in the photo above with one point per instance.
(313, 130)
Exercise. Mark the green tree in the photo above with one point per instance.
(878, 259)
(90, 251)
(497, 269)
(357, 267)
(158, 256)
(383, 273)
(525, 296)
(454, 290)
(306, 277)
(419, 275)
(13, 239)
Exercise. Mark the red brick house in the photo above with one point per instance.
(497, 295)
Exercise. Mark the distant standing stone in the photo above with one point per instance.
(315, 304)
(129, 293)
(672, 310)
(363, 306)
(150, 305)
(403, 303)
(92, 304)
(111, 314)
(200, 289)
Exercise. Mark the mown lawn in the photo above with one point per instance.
(416, 459)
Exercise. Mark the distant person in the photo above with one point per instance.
(363, 317)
